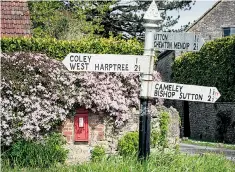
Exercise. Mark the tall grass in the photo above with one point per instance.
(167, 162)
(35, 154)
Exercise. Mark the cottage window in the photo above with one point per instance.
(227, 31)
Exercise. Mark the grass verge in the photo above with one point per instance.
(167, 162)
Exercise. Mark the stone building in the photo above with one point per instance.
(217, 22)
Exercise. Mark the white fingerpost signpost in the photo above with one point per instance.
(184, 92)
(178, 41)
(144, 64)
(106, 63)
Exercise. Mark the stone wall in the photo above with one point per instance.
(179, 106)
(164, 66)
(212, 122)
(210, 25)
(102, 131)
(174, 123)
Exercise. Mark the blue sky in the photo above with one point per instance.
(197, 10)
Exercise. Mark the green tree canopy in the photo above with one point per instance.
(73, 19)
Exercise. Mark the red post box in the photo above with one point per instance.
(81, 132)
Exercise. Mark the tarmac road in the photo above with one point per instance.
(195, 149)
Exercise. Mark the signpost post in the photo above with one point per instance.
(184, 92)
(152, 19)
(178, 41)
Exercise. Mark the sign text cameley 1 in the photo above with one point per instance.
(178, 41)
(184, 92)
(106, 62)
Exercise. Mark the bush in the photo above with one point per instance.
(155, 136)
(97, 154)
(159, 137)
(212, 66)
(164, 126)
(128, 144)
(59, 49)
(36, 154)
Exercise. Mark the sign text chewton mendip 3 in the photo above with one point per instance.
(178, 41)
(106, 62)
(184, 92)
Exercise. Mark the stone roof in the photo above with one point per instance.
(15, 19)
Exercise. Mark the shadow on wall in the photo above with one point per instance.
(223, 121)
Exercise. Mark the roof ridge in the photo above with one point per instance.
(203, 15)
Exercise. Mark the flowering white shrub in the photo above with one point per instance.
(37, 93)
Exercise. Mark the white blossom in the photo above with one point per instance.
(46, 92)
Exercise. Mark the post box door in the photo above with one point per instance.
(81, 127)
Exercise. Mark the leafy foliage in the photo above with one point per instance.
(59, 49)
(213, 66)
(97, 154)
(126, 17)
(155, 136)
(164, 123)
(66, 19)
(128, 144)
(74, 19)
(36, 154)
(159, 136)
(48, 18)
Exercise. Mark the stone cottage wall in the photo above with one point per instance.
(102, 131)
(164, 66)
(207, 121)
(210, 26)
(173, 126)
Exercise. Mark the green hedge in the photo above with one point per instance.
(59, 48)
(213, 65)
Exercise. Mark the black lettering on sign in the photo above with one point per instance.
(196, 38)
(79, 66)
(137, 68)
(209, 98)
(106, 67)
(195, 46)
(160, 37)
(97, 66)
(72, 66)
(181, 96)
